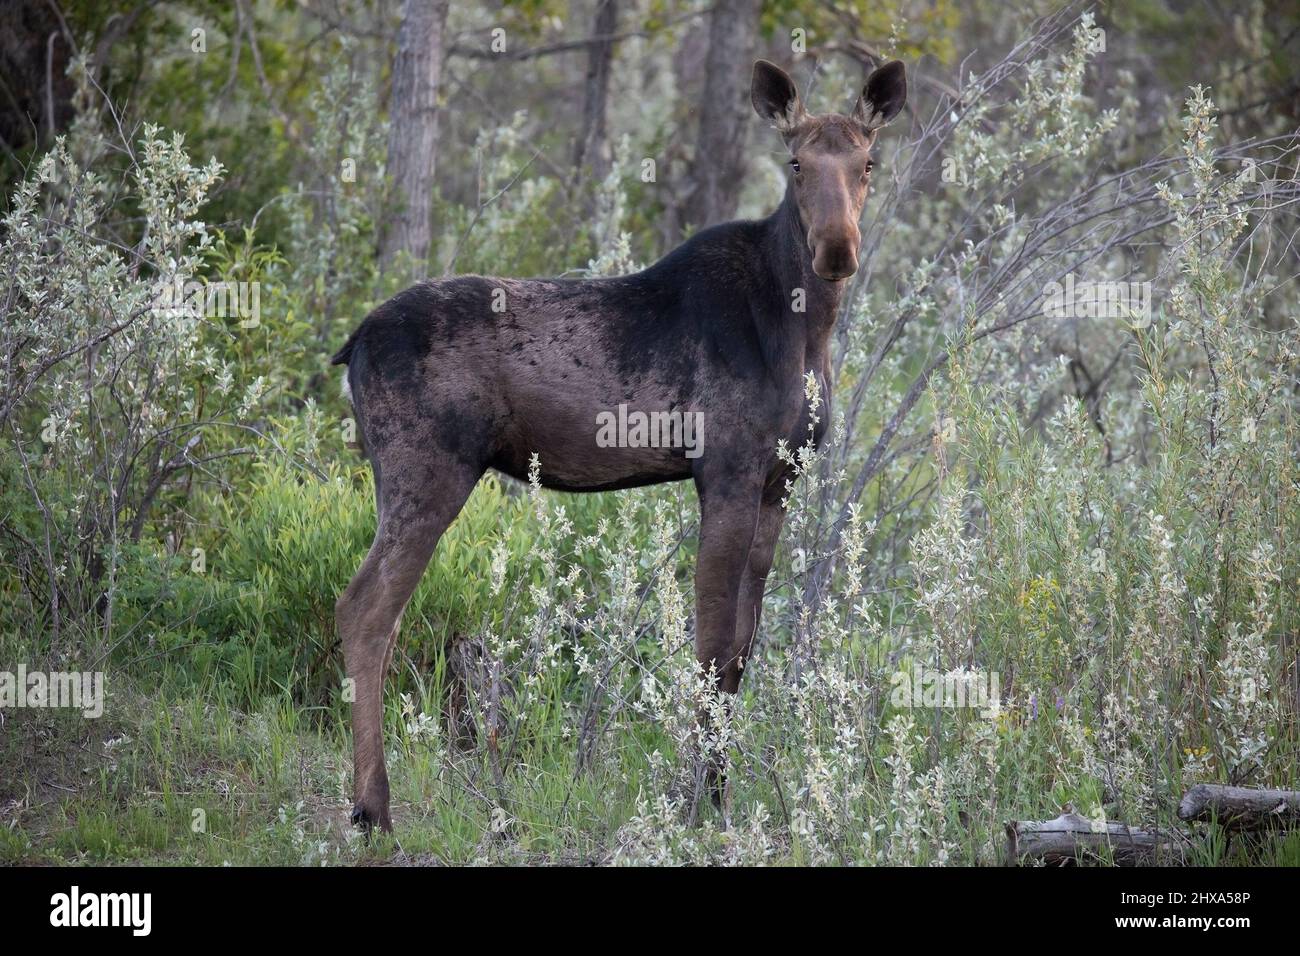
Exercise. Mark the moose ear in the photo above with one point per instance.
(883, 97)
(774, 96)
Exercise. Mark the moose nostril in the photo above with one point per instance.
(835, 262)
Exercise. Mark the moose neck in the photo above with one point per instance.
(790, 261)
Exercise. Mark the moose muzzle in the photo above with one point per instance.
(835, 251)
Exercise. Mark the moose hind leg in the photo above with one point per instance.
(411, 520)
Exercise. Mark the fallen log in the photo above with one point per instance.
(1071, 839)
(1240, 808)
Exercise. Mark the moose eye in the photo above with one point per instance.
(870, 166)
(794, 164)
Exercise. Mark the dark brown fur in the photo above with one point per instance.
(450, 378)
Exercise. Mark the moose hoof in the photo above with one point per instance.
(367, 820)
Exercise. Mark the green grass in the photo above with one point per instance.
(225, 739)
(195, 782)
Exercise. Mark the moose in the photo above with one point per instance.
(452, 377)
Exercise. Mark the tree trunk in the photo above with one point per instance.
(36, 95)
(1240, 807)
(1070, 839)
(592, 146)
(719, 165)
(413, 136)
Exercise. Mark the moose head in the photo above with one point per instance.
(830, 157)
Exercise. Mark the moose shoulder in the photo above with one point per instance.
(693, 368)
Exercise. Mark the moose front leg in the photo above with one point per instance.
(728, 516)
(749, 611)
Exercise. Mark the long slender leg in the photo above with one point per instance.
(749, 610)
(728, 518)
(368, 614)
